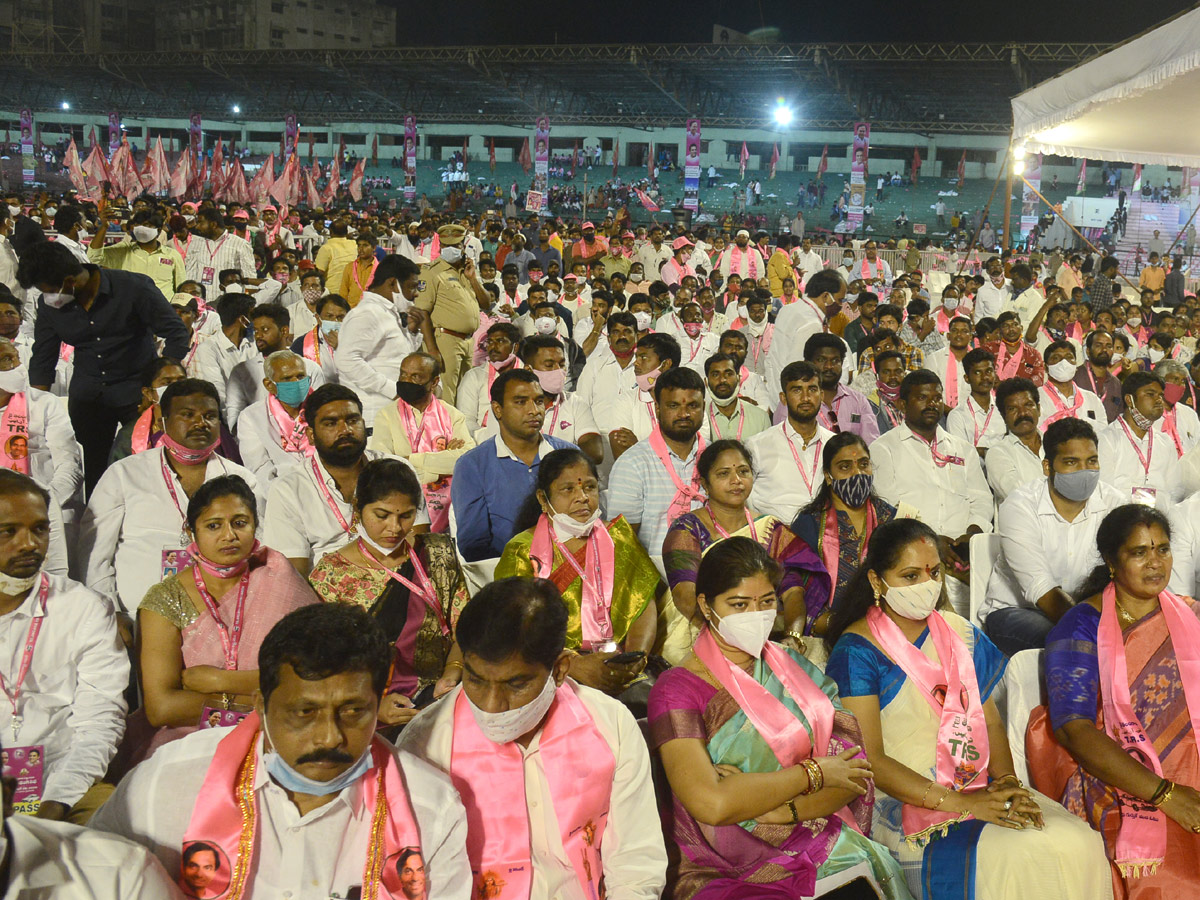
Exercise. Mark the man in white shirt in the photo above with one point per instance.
(798, 321)
(654, 254)
(993, 295)
(695, 344)
(729, 415)
(316, 762)
(70, 704)
(975, 419)
(217, 250)
(787, 458)
(610, 369)
(1016, 458)
(310, 507)
(1179, 423)
(500, 736)
(320, 345)
(806, 261)
(1047, 531)
(921, 464)
(948, 362)
(751, 386)
(1135, 457)
(742, 258)
(271, 432)
(1027, 300)
(630, 417)
(217, 357)
(132, 532)
(474, 389)
(374, 339)
(247, 382)
(1061, 398)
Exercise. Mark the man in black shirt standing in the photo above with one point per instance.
(111, 319)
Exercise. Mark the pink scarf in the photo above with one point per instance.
(492, 374)
(762, 343)
(1142, 838)
(866, 272)
(952, 691)
(291, 431)
(1170, 420)
(735, 261)
(312, 345)
(1007, 366)
(685, 494)
(141, 431)
(432, 436)
(831, 544)
(951, 378)
(225, 815)
(1061, 410)
(490, 778)
(14, 424)
(597, 575)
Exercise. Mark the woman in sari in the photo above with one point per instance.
(411, 583)
(1127, 654)
(727, 477)
(840, 519)
(200, 629)
(611, 587)
(949, 805)
(771, 791)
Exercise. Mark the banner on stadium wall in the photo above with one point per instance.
(859, 153)
(114, 133)
(691, 166)
(541, 153)
(410, 158)
(291, 133)
(1029, 198)
(196, 135)
(28, 161)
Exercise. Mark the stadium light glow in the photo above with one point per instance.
(66, 105)
(236, 109)
(1019, 151)
(1018, 167)
(783, 115)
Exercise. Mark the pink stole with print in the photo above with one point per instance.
(597, 576)
(1061, 410)
(225, 814)
(141, 431)
(490, 778)
(951, 688)
(291, 431)
(432, 436)
(1142, 838)
(685, 494)
(735, 261)
(1170, 420)
(14, 423)
(311, 346)
(951, 378)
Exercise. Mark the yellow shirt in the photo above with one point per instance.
(332, 259)
(163, 266)
(1153, 277)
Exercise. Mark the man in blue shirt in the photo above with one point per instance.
(492, 481)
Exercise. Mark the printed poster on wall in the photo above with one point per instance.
(860, 151)
(691, 166)
(196, 135)
(410, 158)
(1029, 198)
(291, 132)
(541, 153)
(114, 133)
(28, 161)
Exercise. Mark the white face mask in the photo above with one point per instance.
(51, 211)
(552, 296)
(505, 727)
(914, 601)
(643, 319)
(636, 277)
(1134, 322)
(403, 304)
(452, 254)
(545, 325)
(160, 391)
(144, 234)
(57, 300)
(748, 631)
(14, 380)
(15, 211)
(743, 313)
(950, 303)
(1154, 355)
(567, 527)
(1063, 370)
(1116, 356)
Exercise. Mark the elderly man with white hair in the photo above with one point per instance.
(271, 434)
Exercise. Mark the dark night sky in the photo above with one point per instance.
(623, 21)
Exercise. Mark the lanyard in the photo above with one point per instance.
(836, 407)
(808, 479)
(31, 637)
(183, 251)
(975, 421)
(940, 460)
(1144, 459)
(169, 478)
(330, 502)
(721, 531)
(557, 409)
(354, 271)
(741, 421)
(230, 640)
(423, 588)
(593, 545)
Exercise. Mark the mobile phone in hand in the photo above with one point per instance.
(625, 659)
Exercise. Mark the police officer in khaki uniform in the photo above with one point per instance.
(450, 292)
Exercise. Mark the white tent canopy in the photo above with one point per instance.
(1139, 102)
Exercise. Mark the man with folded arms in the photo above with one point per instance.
(555, 776)
(302, 799)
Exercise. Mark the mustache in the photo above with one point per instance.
(1024, 419)
(332, 755)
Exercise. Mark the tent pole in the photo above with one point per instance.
(1008, 185)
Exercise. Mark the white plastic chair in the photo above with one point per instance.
(1024, 691)
(477, 573)
(984, 553)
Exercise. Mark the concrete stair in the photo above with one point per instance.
(1144, 218)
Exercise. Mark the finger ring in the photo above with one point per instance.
(1007, 805)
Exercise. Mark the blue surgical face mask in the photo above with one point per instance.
(328, 328)
(291, 780)
(292, 392)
